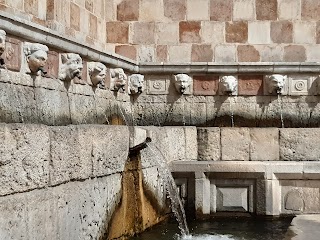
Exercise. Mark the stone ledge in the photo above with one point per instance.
(270, 170)
(37, 33)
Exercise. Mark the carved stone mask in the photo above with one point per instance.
(97, 73)
(275, 83)
(36, 56)
(136, 83)
(228, 85)
(2, 41)
(71, 66)
(118, 79)
(182, 82)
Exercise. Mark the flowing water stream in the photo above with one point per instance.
(280, 109)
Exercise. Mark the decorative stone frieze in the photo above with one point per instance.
(275, 84)
(182, 83)
(228, 85)
(97, 73)
(70, 66)
(118, 79)
(35, 56)
(2, 47)
(135, 83)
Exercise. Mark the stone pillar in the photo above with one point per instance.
(202, 196)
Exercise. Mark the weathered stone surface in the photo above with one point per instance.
(17, 104)
(221, 10)
(198, 10)
(162, 53)
(282, 32)
(209, 144)
(189, 31)
(117, 32)
(266, 10)
(128, 10)
(201, 53)
(52, 106)
(244, 10)
(70, 154)
(225, 53)
(294, 53)
(310, 10)
(127, 51)
(289, 9)
(69, 210)
(175, 9)
(205, 85)
(167, 33)
(232, 199)
(264, 145)
(250, 85)
(25, 157)
(110, 146)
(235, 144)
(248, 53)
(298, 144)
(304, 32)
(82, 109)
(236, 32)
(143, 33)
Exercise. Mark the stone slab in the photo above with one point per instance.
(82, 109)
(235, 144)
(25, 157)
(299, 144)
(209, 144)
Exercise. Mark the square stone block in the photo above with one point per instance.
(235, 144)
(205, 85)
(264, 144)
(232, 199)
(157, 85)
(300, 84)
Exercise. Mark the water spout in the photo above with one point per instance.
(280, 109)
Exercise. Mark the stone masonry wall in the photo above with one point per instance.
(185, 30)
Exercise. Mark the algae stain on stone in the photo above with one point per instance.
(138, 208)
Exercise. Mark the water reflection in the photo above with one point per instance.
(222, 229)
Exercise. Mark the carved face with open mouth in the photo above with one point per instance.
(118, 78)
(36, 56)
(71, 66)
(182, 82)
(136, 83)
(275, 83)
(97, 73)
(228, 85)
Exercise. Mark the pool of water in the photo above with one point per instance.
(221, 229)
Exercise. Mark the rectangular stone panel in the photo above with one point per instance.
(157, 84)
(250, 85)
(300, 84)
(12, 55)
(205, 85)
(209, 144)
(235, 144)
(232, 199)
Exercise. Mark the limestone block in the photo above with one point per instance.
(70, 154)
(82, 109)
(235, 144)
(212, 32)
(179, 53)
(264, 144)
(25, 157)
(110, 147)
(244, 10)
(259, 32)
(167, 33)
(52, 106)
(191, 143)
(299, 144)
(103, 109)
(289, 9)
(303, 32)
(209, 144)
(225, 53)
(17, 104)
(76, 210)
(198, 10)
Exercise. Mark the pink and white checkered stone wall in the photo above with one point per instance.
(185, 30)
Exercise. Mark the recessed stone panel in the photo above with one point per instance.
(299, 84)
(157, 85)
(232, 199)
(250, 85)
